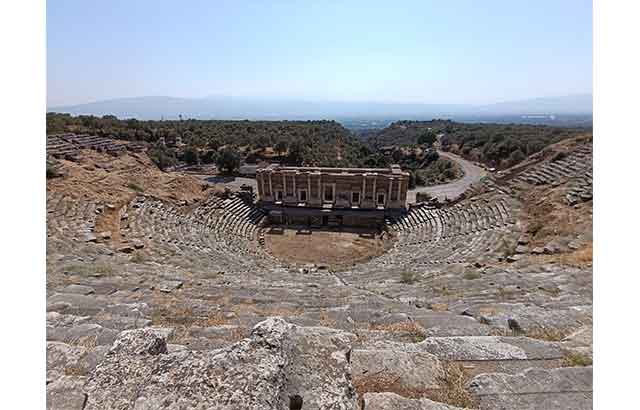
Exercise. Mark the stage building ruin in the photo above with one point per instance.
(332, 196)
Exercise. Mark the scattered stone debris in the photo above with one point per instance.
(170, 285)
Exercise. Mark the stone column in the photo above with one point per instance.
(284, 185)
(270, 186)
(399, 189)
(364, 187)
(308, 186)
(259, 185)
(262, 184)
(295, 193)
(390, 186)
(375, 194)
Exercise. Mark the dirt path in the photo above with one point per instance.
(333, 248)
(472, 174)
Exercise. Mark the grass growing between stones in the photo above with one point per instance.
(409, 278)
(326, 320)
(138, 257)
(577, 359)
(471, 275)
(74, 370)
(579, 258)
(96, 269)
(453, 390)
(539, 332)
(547, 334)
(416, 331)
(135, 187)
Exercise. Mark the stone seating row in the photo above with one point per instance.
(66, 145)
(222, 229)
(580, 190)
(70, 218)
(576, 164)
(460, 219)
(480, 245)
(467, 231)
(96, 143)
(59, 148)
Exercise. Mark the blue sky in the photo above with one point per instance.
(456, 51)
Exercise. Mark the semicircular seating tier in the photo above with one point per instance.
(466, 231)
(220, 231)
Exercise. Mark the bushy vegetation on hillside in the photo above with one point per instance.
(497, 145)
(321, 143)
(229, 143)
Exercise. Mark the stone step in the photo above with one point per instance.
(568, 388)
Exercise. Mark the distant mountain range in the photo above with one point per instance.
(155, 108)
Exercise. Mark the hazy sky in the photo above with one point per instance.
(398, 51)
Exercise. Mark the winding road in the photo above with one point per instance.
(472, 174)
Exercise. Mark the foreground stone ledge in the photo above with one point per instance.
(392, 401)
(568, 388)
(278, 366)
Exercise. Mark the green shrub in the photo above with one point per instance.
(135, 187)
(228, 160)
(471, 275)
(52, 171)
(409, 277)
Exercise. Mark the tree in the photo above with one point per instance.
(419, 179)
(296, 153)
(427, 138)
(209, 157)
(262, 141)
(449, 173)
(214, 144)
(431, 156)
(412, 180)
(376, 161)
(281, 146)
(516, 156)
(162, 157)
(191, 155)
(397, 155)
(228, 160)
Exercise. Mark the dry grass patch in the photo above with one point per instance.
(409, 278)
(89, 341)
(90, 269)
(579, 258)
(215, 319)
(414, 329)
(212, 274)
(74, 370)
(471, 275)
(453, 383)
(379, 383)
(453, 390)
(326, 320)
(265, 311)
(138, 257)
(439, 307)
(539, 332)
(552, 291)
(505, 293)
(135, 187)
(548, 334)
(577, 359)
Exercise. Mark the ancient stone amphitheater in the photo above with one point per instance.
(155, 304)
